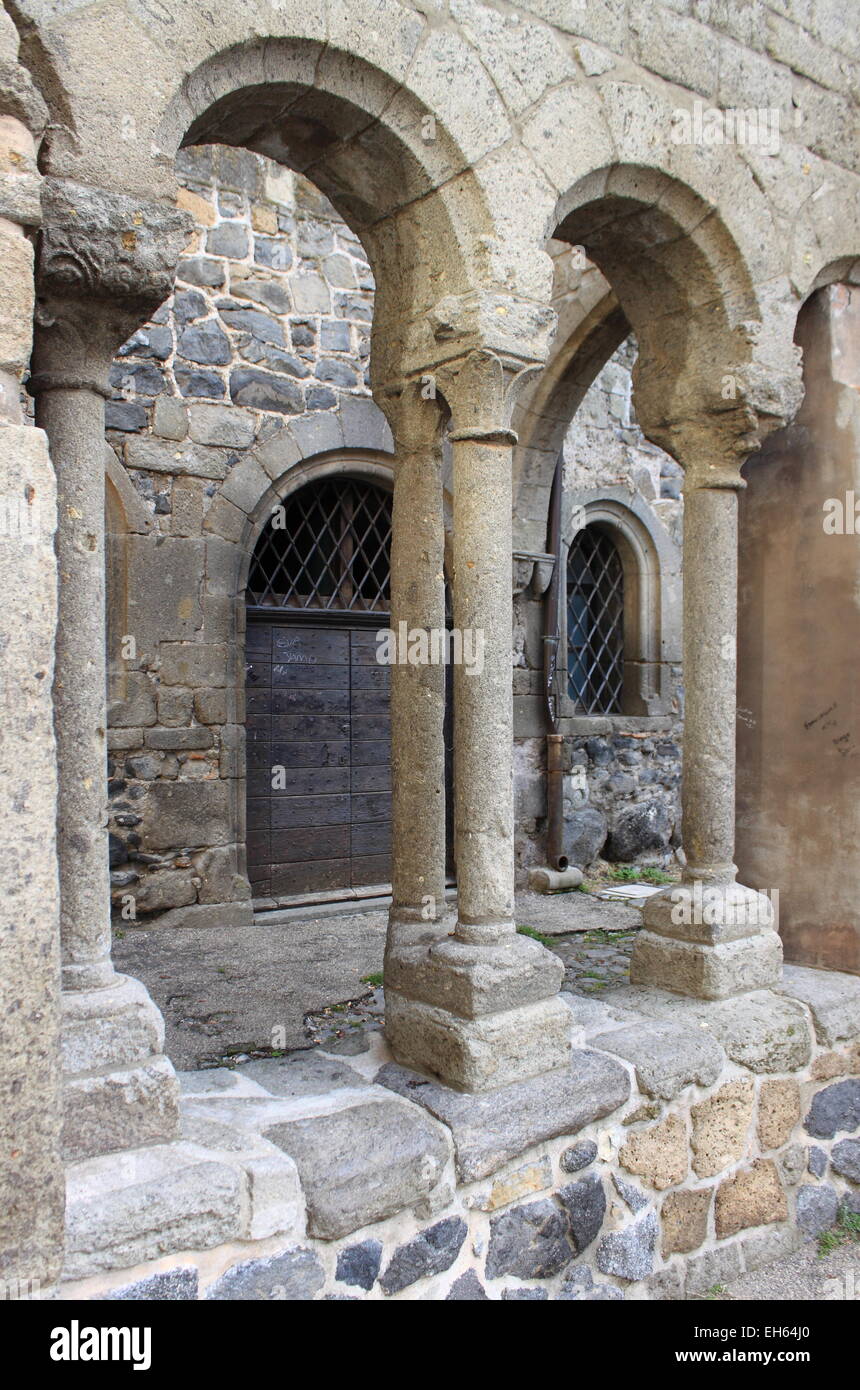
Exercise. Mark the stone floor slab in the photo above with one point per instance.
(833, 998)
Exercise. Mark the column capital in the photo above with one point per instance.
(105, 263)
(482, 388)
(716, 407)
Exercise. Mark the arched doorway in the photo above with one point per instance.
(318, 734)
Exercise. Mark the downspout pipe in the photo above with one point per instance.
(557, 860)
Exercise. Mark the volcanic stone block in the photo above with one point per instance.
(721, 1127)
(684, 1220)
(431, 1252)
(529, 1241)
(585, 1204)
(630, 1253)
(364, 1163)
(752, 1197)
(817, 1208)
(359, 1264)
(293, 1277)
(778, 1112)
(835, 1110)
(658, 1154)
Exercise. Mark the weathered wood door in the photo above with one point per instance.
(318, 758)
(318, 730)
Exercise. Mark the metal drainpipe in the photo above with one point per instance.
(556, 858)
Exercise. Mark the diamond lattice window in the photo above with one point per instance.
(326, 547)
(595, 623)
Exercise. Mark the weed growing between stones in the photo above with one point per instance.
(847, 1229)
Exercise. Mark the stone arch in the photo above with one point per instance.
(651, 561)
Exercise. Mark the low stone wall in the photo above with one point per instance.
(687, 1143)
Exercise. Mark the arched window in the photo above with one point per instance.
(595, 623)
(326, 547)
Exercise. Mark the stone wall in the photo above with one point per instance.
(269, 323)
(687, 1143)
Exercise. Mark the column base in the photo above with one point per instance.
(119, 1090)
(704, 971)
(478, 1054)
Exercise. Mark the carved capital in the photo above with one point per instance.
(108, 246)
(715, 406)
(482, 389)
(105, 263)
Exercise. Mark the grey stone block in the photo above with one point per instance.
(578, 1156)
(492, 1127)
(156, 456)
(845, 1159)
(834, 1000)
(585, 1204)
(524, 1295)
(529, 1241)
(187, 813)
(154, 1202)
(303, 1074)
(120, 1109)
(221, 424)
(360, 1264)
(666, 1056)
(265, 391)
(468, 1288)
(817, 1161)
(835, 1110)
(629, 1193)
(295, 1276)
(712, 1267)
(630, 1253)
(364, 1163)
(228, 239)
(431, 1252)
(171, 1287)
(200, 270)
(205, 343)
(817, 1208)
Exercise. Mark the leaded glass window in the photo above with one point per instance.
(595, 623)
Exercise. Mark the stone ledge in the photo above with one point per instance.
(666, 1056)
(833, 1000)
(495, 1126)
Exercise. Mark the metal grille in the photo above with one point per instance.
(326, 547)
(595, 623)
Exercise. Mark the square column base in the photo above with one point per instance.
(704, 971)
(478, 1054)
(119, 1090)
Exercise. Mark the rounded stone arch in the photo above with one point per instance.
(651, 565)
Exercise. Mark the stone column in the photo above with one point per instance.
(105, 263)
(711, 937)
(417, 690)
(31, 1173)
(479, 1009)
